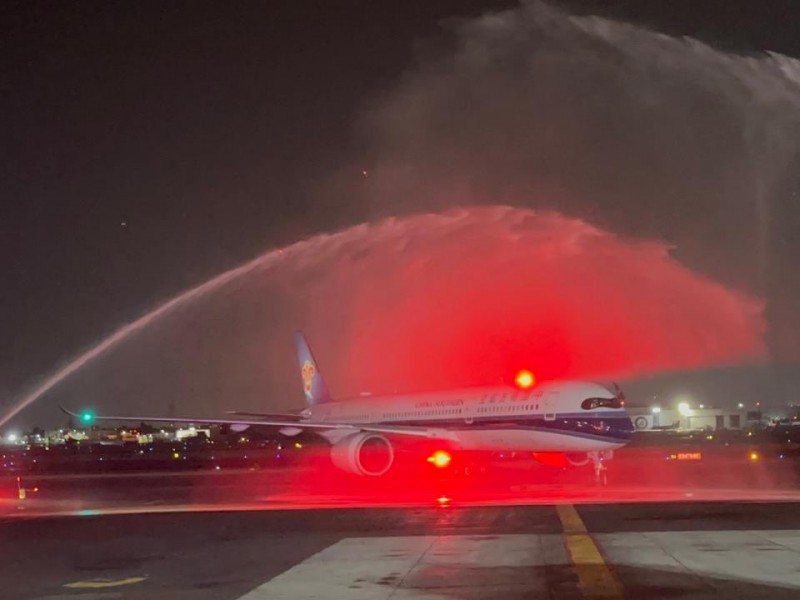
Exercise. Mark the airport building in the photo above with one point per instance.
(683, 417)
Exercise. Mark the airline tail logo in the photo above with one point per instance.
(316, 391)
(308, 371)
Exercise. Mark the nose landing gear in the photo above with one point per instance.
(599, 458)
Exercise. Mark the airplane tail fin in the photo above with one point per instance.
(313, 384)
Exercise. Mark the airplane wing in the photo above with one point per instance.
(278, 416)
(425, 432)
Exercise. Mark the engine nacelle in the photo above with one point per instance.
(562, 460)
(577, 459)
(363, 454)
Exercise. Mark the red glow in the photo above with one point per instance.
(440, 459)
(452, 308)
(525, 379)
(552, 459)
(436, 301)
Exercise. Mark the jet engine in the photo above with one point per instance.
(363, 454)
(562, 460)
(577, 459)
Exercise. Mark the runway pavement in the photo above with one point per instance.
(684, 549)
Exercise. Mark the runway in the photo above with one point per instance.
(685, 549)
(305, 489)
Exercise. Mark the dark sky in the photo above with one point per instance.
(200, 126)
(147, 146)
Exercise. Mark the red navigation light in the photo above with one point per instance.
(440, 459)
(525, 379)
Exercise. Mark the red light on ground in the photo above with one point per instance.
(525, 379)
(440, 459)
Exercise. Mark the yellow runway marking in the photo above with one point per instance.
(103, 583)
(595, 579)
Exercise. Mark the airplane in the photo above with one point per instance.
(581, 421)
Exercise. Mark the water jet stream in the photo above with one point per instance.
(462, 297)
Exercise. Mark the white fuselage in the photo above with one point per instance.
(546, 418)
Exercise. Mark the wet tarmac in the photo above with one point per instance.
(234, 538)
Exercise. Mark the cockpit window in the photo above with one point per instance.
(592, 403)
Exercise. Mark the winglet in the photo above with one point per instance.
(313, 384)
(86, 417)
(67, 411)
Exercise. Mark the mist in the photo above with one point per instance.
(431, 301)
(673, 164)
(637, 132)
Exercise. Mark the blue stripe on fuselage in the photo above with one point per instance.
(610, 426)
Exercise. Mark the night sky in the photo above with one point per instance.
(147, 146)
